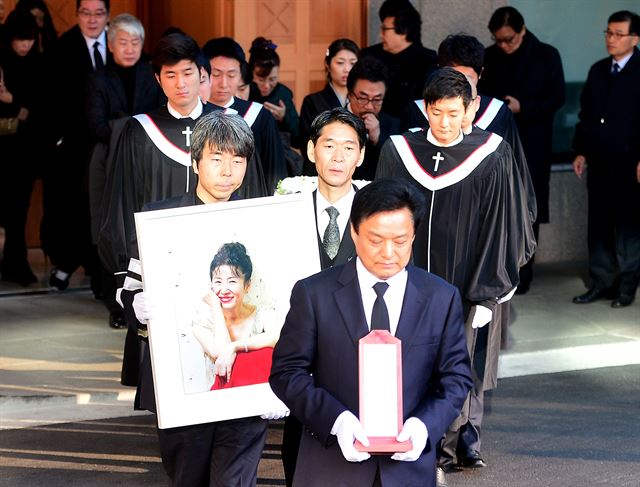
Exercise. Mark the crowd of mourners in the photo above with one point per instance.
(78, 111)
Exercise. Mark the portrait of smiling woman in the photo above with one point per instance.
(235, 335)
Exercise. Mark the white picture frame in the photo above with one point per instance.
(176, 247)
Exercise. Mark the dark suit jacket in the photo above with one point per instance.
(72, 60)
(315, 371)
(609, 115)
(347, 249)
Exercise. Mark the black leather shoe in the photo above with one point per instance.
(622, 301)
(116, 320)
(58, 280)
(447, 466)
(591, 295)
(472, 460)
(441, 479)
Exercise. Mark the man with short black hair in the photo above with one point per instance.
(152, 162)
(474, 234)
(226, 58)
(608, 141)
(527, 74)
(66, 227)
(401, 51)
(221, 452)
(315, 362)
(336, 148)
(367, 89)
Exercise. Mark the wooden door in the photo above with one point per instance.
(302, 29)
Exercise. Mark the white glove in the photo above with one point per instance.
(507, 296)
(416, 431)
(279, 411)
(347, 429)
(481, 316)
(146, 307)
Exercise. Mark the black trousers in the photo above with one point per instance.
(291, 436)
(220, 454)
(614, 223)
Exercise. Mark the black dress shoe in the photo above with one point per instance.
(472, 460)
(622, 301)
(59, 279)
(591, 295)
(116, 320)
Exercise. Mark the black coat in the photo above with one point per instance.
(610, 114)
(408, 72)
(533, 75)
(388, 126)
(106, 99)
(72, 60)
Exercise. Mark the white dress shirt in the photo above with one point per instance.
(393, 298)
(195, 113)
(343, 205)
(102, 47)
(622, 63)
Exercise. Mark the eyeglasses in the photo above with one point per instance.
(505, 40)
(616, 35)
(363, 100)
(100, 14)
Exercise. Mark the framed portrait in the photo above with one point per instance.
(222, 275)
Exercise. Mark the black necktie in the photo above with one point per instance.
(331, 238)
(97, 57)
(380, 315)
(616, 69)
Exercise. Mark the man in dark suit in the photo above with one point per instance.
(66, 233)
(315, 362)
(367, 88)
(608, 141)
(336, 148)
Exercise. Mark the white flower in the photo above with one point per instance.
(302, 184)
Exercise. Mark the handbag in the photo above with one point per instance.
(8, 126)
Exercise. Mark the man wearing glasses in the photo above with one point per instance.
(367, 86)
(66, 236)
(409, 63)
(527, 75)
(608, 141)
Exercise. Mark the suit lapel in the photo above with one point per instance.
(349, 302)
(413, 307)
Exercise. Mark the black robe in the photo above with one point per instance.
(474, 231)
(492, 116)
(142, 173)
(471, 235)
(312, 105)
(267, 139)
(533, 74)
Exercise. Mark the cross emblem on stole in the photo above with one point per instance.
(438, 157)
(187, 133)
